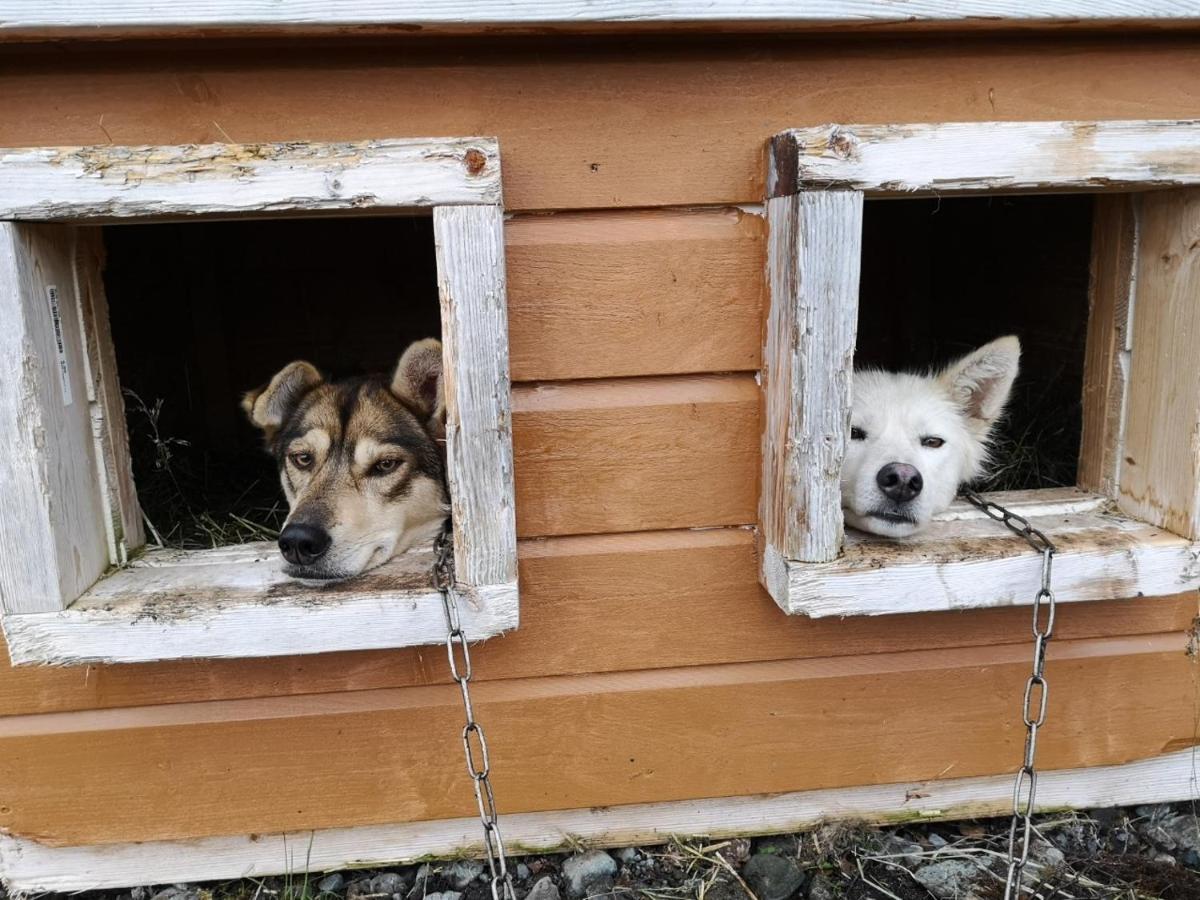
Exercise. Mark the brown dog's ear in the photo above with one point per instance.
(981, 381)
(418, 380)
(267, 407)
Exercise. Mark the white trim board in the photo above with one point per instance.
(220, 180)
(236, 602)
(991, 157)
(27, 866)
(87, 19)
(965, 561)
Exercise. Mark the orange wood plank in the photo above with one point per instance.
(320, 761)
(635, 454)
(590, 123)
(596, 295)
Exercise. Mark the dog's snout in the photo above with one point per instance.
(899, 481)
(303, 545)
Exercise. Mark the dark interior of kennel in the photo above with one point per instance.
(943, 276)
(202, 312)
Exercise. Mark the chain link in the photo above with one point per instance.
(1037, 692)
(474, 740)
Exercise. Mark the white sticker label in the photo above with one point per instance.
(64, 370)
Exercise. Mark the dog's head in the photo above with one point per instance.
(914, 439)
(361, 461)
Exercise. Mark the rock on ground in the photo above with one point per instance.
(586, 870)
(773, 877)
(949, 879)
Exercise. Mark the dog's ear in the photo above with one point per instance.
(980, 382)
(418, 380)
(268, 406)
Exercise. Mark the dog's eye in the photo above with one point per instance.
(301, 460)
(857, 434)
(385, 466)
(933, 442)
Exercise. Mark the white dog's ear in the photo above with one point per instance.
(268, 406)
(980, 382)
(418, 380)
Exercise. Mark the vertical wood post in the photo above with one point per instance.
(1160, 460)
(813, 258)
(471, 281)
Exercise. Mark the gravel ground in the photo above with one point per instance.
(1141, 853)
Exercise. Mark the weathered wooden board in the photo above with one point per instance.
(1160, 458)
(813, 263)
(469, 241)
(965, 563)
(1109, 340)
(991, 157)
(689, 128)
(636, 454)
(253, 766)
(130, 18)
(236, 602)
(53, 527)
(105, 182)
(694, 597)
(601, 295)
(33, 867)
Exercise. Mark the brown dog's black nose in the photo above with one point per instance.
(899, 481)
(303, 545)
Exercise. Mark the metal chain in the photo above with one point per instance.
(1025, 788)
(478, 764)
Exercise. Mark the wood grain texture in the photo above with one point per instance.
(690, 128)
(219, 180)
(53, 526)
(953, 157)
(965, 564)
(107, 404)
(1160, 465)
(195, 770)
(469, 242)
(234, 602)
(34, 868)
(1109, 340)
(601, 295)
(813, 259)
(693, 593)
(635, 454)
(77, 18)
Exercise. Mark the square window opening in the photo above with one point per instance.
(942, 276)
(202, 312)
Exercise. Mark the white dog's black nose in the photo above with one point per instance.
(899, 481)
(303, 545)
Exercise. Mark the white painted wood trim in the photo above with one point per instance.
(813, 256)
(296, 178)
(27, 866)
(235, 602)
(83, 18)
(993, 157)
(52, 527)
(974, 562)
(469, 242)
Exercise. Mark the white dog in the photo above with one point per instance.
(914, 439)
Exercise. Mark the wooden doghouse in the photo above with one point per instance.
(647, 248)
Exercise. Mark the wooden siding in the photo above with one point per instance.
(634, 335)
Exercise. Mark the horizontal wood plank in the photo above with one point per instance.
(955, 157)
(193, 770)
(689, 598)
(34, 868)
(690, 126)
(636, 454)
(599, 295)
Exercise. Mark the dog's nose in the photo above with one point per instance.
(303, 545)
(899, 481)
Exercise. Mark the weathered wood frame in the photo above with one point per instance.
(1133, 526)
(68, 591)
